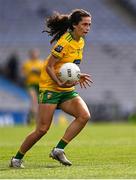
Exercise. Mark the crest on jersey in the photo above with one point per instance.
(58, 48)
(49, 95)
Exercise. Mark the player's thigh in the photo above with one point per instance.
(76, 107)
(45, 115)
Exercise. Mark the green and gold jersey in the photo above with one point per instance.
(32, 70)
(66, 50)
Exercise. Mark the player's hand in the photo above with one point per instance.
(85, 80)
(67, 84)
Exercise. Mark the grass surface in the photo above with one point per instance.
(100, 151)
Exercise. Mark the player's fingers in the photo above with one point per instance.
(88, 79)
(81, 85)
(88, 83)
(85, 75)
(84, 85)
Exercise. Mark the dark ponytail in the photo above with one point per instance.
(58, 24)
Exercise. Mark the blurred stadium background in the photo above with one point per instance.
(110, 55)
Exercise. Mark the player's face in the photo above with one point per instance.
(83, 26)
(34, 54)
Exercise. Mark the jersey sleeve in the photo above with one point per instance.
(60, 49)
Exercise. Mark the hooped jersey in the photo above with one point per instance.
(66, 50)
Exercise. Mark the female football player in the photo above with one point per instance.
(31, 71)
(68, 31)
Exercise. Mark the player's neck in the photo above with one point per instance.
(75, 36)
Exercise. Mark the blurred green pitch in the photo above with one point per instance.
(100, 151)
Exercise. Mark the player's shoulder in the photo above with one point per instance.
(68, 37)
(65, 38)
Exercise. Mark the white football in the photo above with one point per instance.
(69, 72)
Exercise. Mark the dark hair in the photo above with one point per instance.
(58, 24)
